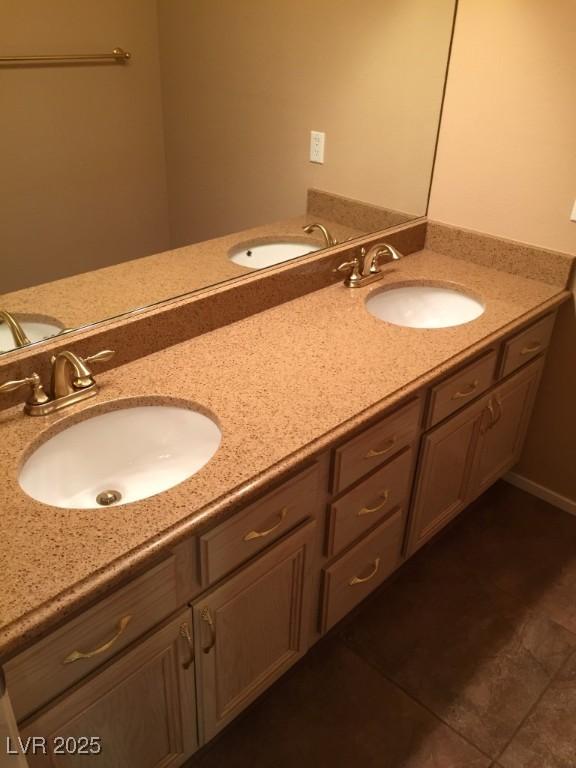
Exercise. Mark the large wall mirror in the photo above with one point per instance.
(128, 181)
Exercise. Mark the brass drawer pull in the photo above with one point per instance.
(466, 392)
(260, 534)
(205, 616)
(370, 510)
(185, 633)
(531, 348)
(380, 452)
(76, 655)
(359, 580)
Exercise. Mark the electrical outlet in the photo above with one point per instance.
(317, 142)
(573, 214)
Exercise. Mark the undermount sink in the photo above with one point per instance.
(424, 306)
(35, 330)
(120, 456)
(267, 254)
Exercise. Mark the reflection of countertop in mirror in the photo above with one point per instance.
(284, 384)
(104, 293)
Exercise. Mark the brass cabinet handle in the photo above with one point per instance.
(359, 580)
(488, 411)
(466, 392)
(186, 634)
(534, 347)
(381, 451)
(370, 510)
(76, 655)
(260, 534)
(205, 616)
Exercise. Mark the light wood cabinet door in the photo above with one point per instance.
(251, 629)
(503, 427)
(141, 708)
(443, 474)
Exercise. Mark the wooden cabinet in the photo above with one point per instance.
(142, 708)
(466, 454)
(502, 432)
(251, 629)
(445, 465)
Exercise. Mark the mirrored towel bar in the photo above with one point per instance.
(118, 55)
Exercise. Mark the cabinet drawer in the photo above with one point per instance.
(229, 545)
(68, 654)
(461, 388)
(375, 445)
(371, 501)
(357, 573)
(526, 345)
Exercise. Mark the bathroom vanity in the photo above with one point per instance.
(144, 629)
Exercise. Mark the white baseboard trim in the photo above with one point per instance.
(541, 492)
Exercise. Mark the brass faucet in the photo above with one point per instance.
(328, 239)
(365, 268)
(71, 382)
(20, 338)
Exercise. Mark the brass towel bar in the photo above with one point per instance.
(118, 55)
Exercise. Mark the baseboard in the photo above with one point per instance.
(541, 492)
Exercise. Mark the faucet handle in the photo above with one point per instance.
(37, 394)
(99, 357)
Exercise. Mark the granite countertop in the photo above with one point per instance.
(283, 385)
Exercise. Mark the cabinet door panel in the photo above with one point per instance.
(251, 629)
(443, 474)
(499, 445)
(142, 709)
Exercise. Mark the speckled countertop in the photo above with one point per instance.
(283, 385)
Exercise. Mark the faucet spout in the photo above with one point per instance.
(20, 338)
(328, 238)
(69, 374)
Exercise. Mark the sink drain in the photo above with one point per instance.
(108, 497)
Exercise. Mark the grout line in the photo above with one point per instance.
(534, 705)
(413, 698)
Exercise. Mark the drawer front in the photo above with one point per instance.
(69, 653)
(375, 445)
(371, 501)
(527, 345)
(461, 388)
(250, 531)
(357, 573)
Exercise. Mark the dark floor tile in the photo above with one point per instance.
(548, 737)
(335, 710)
(515, 542)
(476, 653)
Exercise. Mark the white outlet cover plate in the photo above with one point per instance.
(573, 214)
(317, 143)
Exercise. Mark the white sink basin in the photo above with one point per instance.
(424, 306)
(261, 255)
(35, 330)
(120, 456)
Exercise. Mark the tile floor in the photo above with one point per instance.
(465, 659)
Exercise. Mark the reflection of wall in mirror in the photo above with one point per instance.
(244, 83)
(83, 168)
(206, 130)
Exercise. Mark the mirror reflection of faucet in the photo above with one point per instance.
(17, 332)
(328, 238)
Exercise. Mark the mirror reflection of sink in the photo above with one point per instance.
(36, 329)
(267, 254)
(120, 456)
(424, 306)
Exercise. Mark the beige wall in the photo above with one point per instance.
(507, 166)
(244, 83)
(83, 178)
